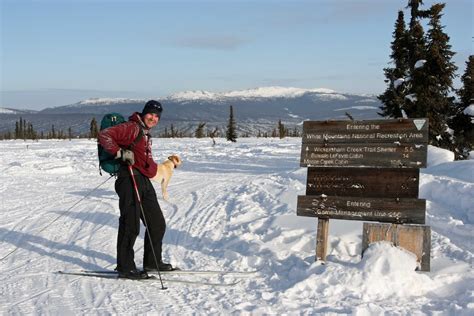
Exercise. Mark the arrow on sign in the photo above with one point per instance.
(419, 123)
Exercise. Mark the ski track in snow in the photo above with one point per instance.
(232, 207)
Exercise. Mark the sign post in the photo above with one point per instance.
(363, 170)
(321, 239)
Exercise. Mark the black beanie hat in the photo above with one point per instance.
(152, 106)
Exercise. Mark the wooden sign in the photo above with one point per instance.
(390, 210)
(413, 131)
(364, 155)
(414, 238)
(363, 170)
(366, 182)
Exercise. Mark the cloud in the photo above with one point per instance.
(225, 43)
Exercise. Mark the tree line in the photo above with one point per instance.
(420, 80)
(25, 130)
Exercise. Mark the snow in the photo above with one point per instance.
(105, 101)
(261, 92)
(7, 111)
(271, 92)
(397, 83)
(412, 97)
(439, 156)
(404, 114)
(358, 107)
(193, 95)
(367, 101)
(469, 110)
(232, 207)
(329, 96)
(420, 63)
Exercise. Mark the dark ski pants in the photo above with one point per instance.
(129, 222)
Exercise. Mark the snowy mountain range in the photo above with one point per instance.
(254, 109)
(15, 111)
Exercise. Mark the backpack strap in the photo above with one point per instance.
(140, 135)
(137, 139)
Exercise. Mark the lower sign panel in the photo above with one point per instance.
(389, 210)
(414, 238)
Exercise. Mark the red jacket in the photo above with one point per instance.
(122, 135)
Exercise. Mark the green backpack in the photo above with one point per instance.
(107, 162)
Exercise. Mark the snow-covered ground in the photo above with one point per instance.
(232, 207)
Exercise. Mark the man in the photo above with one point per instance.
(131, 143)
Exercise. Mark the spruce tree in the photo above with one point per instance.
(415, 105)
(231, 134)
(173, 132)
(466, 93)
(282, 131)
(416, 43)
(199, 133)
(21, 129)
(439, 83)
(94, 130)
(423, 63)
(53, 132)
(25, 129)
(393, 98)
(31, 134)
(462, 123)
(17, 130)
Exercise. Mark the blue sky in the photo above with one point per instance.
(60, 52)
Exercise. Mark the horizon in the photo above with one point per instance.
(153, 49)
(258, 92)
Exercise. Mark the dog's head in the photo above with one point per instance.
(176, 160)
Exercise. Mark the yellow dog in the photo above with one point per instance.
(164, 173)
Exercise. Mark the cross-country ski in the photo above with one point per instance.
(179, 271)
(150, 278)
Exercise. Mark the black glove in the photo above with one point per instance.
(126, 156)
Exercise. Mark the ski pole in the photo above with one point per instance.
(146, 224)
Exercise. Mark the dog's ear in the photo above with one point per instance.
(175, 159)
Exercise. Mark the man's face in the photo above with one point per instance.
(150, 120)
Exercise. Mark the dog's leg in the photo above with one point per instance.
(164, 186)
